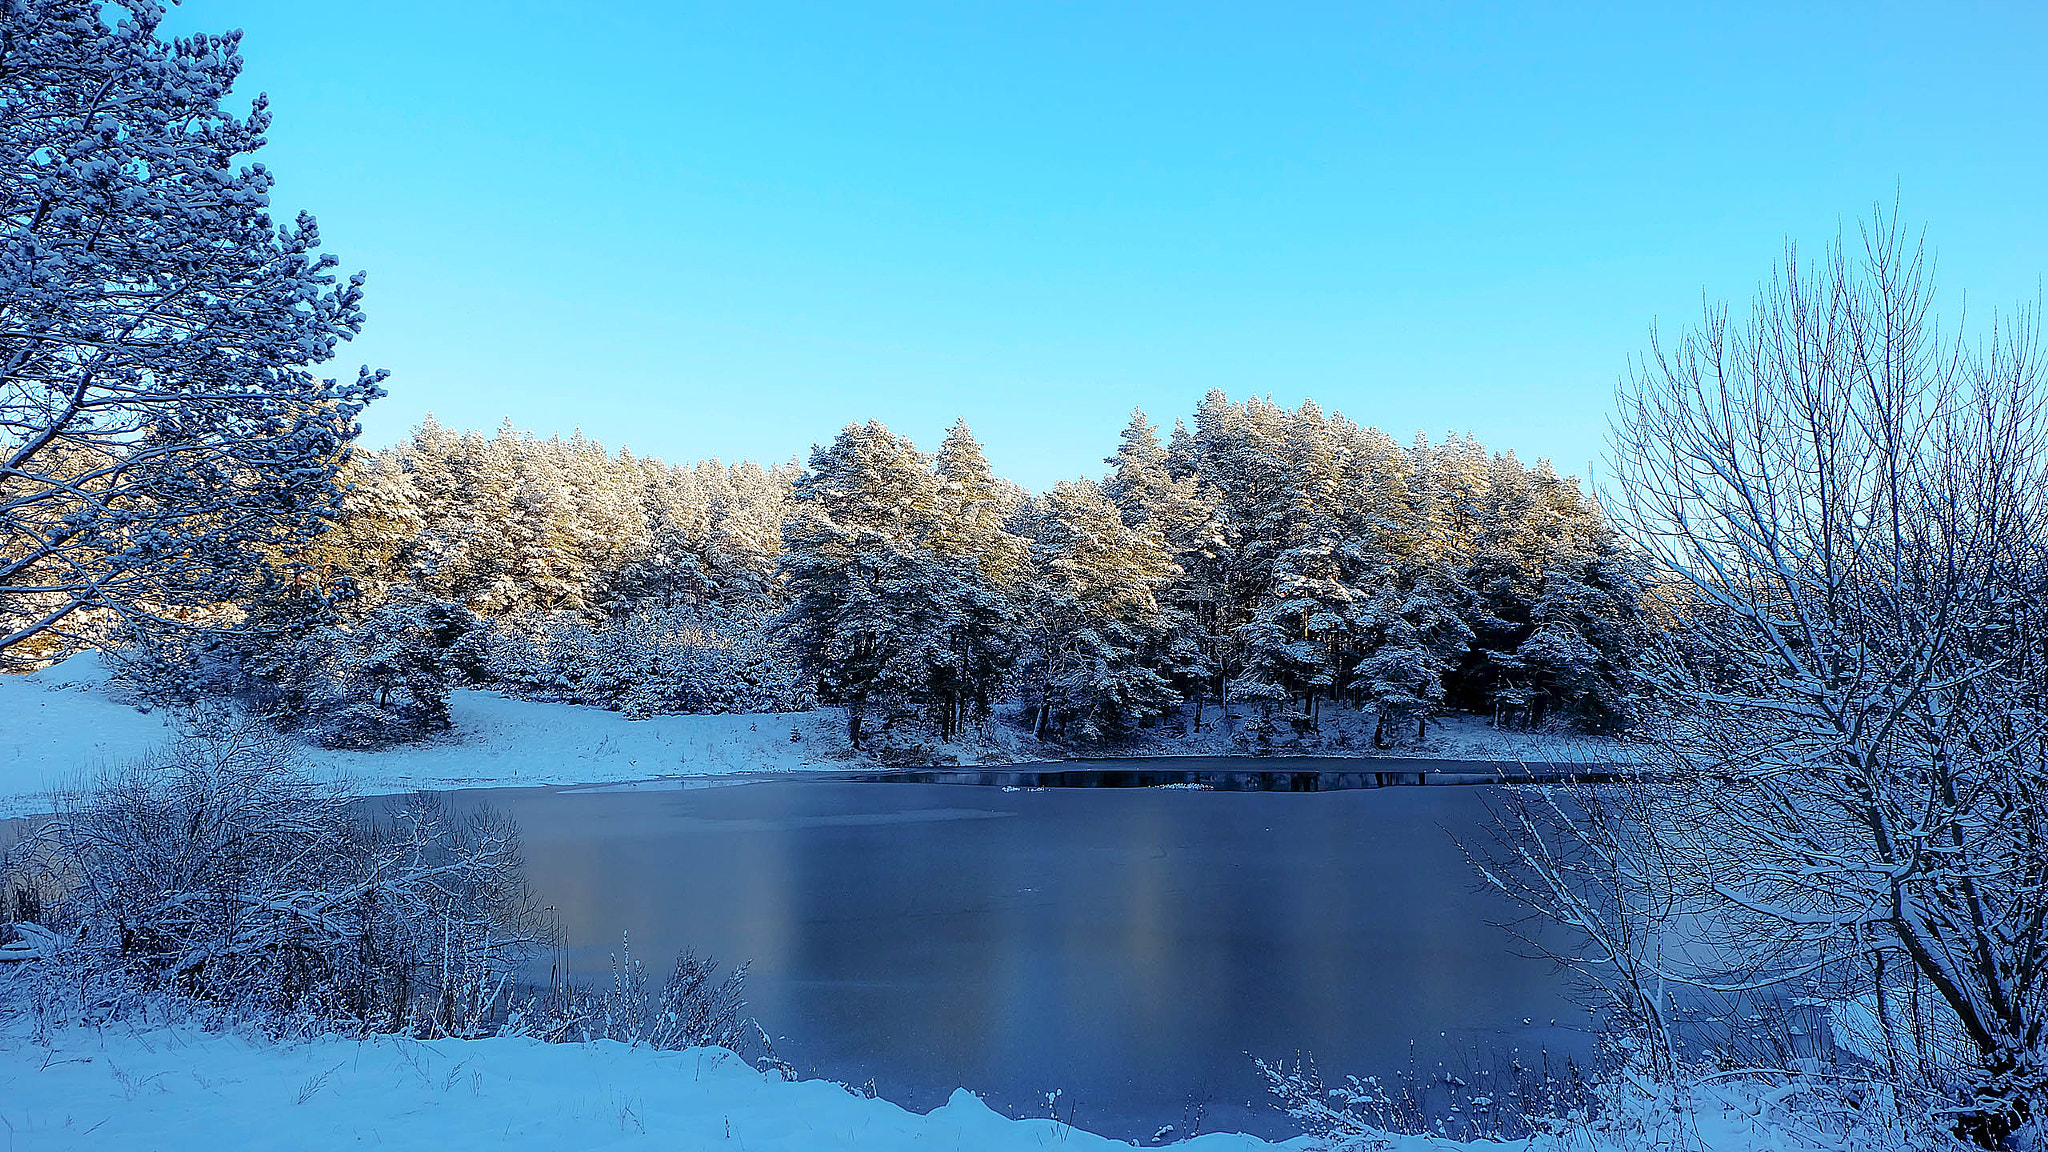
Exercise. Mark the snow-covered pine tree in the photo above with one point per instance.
(164, 444)
(370, 542)
(1236, 457)
(973, 509)
(1587, 625)
(1146, 492)
(608, 525)
(675, 568)
(1417, 634)
(1556, 616)
(864, 593)
(1098, 635)
(748, 504)
(977, 571)
(1503, 568)
(429, 460)
(1149, 496)
(1304, 620)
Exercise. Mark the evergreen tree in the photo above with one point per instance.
(1418, 635)
(1099, 635)
(978, 567)
(1149, 496)
(165, 448)
(379, 526)
(861, 584)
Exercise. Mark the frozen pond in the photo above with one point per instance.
(1130, 948)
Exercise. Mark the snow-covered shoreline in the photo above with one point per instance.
(124, 1086)
(61, 724)
(186, 1088)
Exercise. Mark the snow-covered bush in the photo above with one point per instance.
(1488, 1098)
(220, 872)
(1622, 1106)
(660, 661)
(1762, 1109)
(384, 679)
(696, 1008)
(381, 677)
(1848, 527)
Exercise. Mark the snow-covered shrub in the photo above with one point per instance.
(659, 661)
(375, 676)
(1498, 1097)
(379, 678)
(1753, 1110)
(221, 872)
(385, 678)
(696, 1008)
(1625, 1106)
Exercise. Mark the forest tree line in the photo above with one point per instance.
(1273, 559)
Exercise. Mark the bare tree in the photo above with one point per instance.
(1845, 501)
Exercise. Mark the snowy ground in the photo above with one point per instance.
(63, 723)
(174, 1089)
(58, 724)
(184, 1089)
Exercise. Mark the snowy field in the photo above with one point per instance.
(63, 723)
(175, 1089)
(60, 724)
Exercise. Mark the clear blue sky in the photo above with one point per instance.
(728, 229)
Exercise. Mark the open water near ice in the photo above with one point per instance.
(1131, 948)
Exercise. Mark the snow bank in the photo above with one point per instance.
(60, 724)
(498, 740)
(174, 1089)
